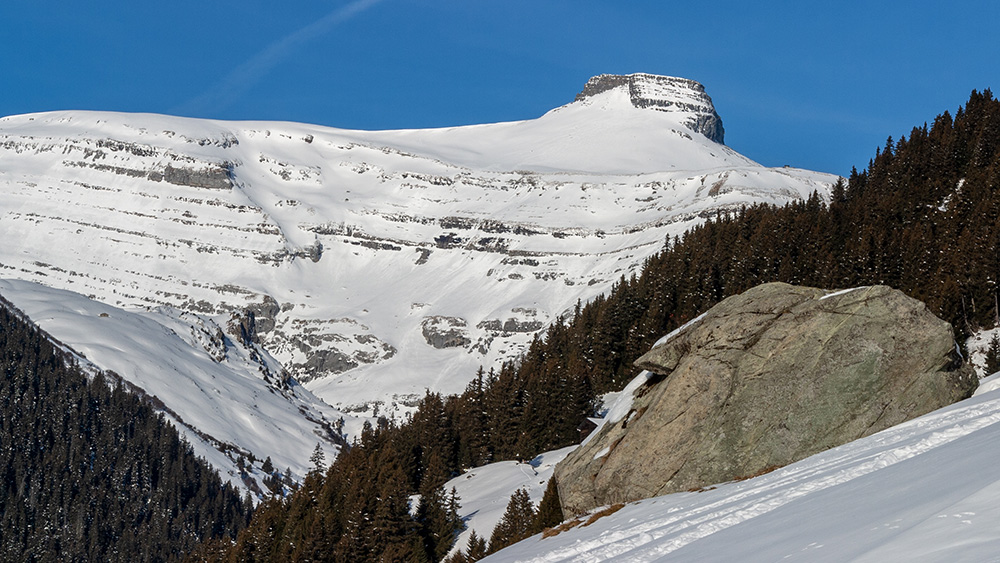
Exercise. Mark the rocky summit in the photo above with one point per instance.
(663, 93)
(764, 379)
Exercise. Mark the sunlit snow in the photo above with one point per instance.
(485, 491)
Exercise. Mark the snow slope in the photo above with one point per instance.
(926, 490)
(378, 263)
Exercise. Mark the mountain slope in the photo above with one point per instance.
(228, 398)
(920, 218)
(377, 263)
(92, 472)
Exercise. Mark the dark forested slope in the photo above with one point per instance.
(90, 472)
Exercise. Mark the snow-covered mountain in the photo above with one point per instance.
(376, 263)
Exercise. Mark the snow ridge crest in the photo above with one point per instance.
(663, 93)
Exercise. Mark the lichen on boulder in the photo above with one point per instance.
(764, 379)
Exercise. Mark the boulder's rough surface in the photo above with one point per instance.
(763, 379)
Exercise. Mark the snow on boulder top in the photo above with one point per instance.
(663, 93)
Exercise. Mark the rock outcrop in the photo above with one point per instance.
(445, 332)
(763, 379)
(664, 93)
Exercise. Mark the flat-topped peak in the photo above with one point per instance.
(663, 93)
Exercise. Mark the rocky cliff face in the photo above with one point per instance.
(664, 93)
(764, 379)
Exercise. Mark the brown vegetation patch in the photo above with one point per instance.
(570, 524)
(764, 471)
(701, 489)
(606, 512)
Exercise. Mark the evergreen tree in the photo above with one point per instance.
(437, 513)
(318, 459)
(550, 512)
(516, 523)
(993, 355)
(475, 548)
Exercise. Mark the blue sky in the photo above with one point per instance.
(812, 84)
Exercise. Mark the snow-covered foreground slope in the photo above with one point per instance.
(378, 264)
(926, 490)
(227, 398)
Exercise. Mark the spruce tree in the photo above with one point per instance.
(516, 523)
(318, 460)
(476, 548)
(993, 355)
(549, 510)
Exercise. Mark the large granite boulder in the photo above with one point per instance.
(763, 379)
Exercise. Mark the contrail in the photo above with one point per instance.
(243, 77)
